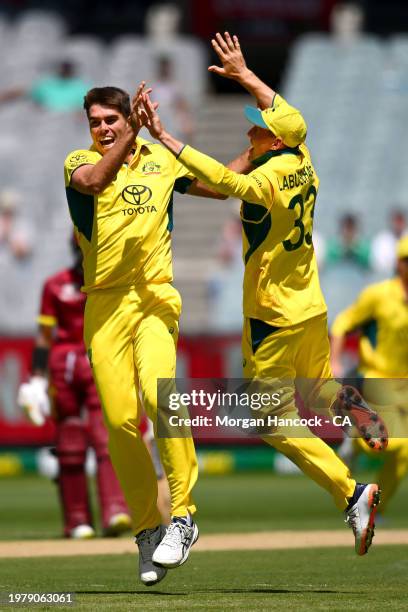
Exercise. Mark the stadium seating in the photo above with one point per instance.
(353, 99)
(89, 55)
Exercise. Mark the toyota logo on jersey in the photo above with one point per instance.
(137, 194)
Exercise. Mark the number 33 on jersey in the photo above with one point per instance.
(281, 285)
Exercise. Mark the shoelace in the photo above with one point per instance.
(146, 544)
(175, 533)
(351, 519)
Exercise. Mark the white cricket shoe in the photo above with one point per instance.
(82, 532)
(175, 546)
(147, 541)
(360, 515)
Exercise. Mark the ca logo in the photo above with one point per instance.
(136, 194)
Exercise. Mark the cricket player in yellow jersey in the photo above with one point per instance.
(285, 326)
(120, 199)
(381, 315)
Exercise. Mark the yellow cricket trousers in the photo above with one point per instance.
(300, 353)
(131, 337)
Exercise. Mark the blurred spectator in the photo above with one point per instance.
(347, 244)
(384, 244)
(61, 91)
(230, 248)
(347, 21)
(225, 283)
(173, 106)
(15, 234)
(163, 21)
(345, 269)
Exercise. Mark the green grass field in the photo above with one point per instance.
(317, 579)
(234, 503)
(321, 579)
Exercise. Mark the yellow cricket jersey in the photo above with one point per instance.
(381, 313)
(281, 283)
(124, 231)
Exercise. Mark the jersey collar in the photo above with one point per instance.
(269, 154)
(141, 142)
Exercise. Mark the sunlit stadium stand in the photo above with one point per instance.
(354, 98)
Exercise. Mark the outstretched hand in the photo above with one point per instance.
(135, 118)
(229, 51)
(151, 117)
(148, 110)
(138, 117)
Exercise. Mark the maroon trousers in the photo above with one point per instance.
(79, 426)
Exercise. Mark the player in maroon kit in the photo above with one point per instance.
(76, 409)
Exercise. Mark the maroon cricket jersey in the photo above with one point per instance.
(62, 306)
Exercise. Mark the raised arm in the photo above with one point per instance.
(355, 316)
(255, 188)
(234, 67)
(93, 179)
(240, 164)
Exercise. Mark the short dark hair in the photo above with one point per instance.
(349, 219)
(108, 96)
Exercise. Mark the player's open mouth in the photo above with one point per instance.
(107, 141)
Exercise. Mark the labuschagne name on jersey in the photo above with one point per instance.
(300, 177)
(257, 179)
(138, 197)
